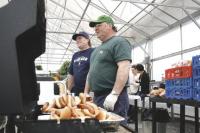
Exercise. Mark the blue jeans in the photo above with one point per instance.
(121, 106)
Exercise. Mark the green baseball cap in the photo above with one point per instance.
(102, 19)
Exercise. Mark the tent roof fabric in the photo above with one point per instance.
(136, 20)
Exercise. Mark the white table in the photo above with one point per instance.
(132, 99)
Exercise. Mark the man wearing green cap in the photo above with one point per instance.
(109, 68)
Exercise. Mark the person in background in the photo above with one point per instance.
(133, 89)
(80, 63)
(143, 81)
(109, 68)
(133, 80)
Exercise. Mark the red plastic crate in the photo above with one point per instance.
(178, 72)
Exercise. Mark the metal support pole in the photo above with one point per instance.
(172, 111)
(186, 12)
(136, 116)
(181, 39)
(197, 2)
(196, 120)
(154, 127)
(158, 4)
(182, 118)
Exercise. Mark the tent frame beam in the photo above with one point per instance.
(119, 19)
(176, 53)
(158, 4)
(192, 18)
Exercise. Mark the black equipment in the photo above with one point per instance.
(22, 40)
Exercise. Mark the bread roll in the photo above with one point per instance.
(73, 112)
(154, 92)
(69, 100)
(54, 116)
(87, 113)
(45, 107)
(162, 93)
(57, 112)
(51, 110)
(76, 101)
(65, 98)
(161, 90)
(80, 113)
(62, 101)
(65, 113)
(52, 104)
(86, 106)
(82, 97)
(58, 104)
(101, 115)
(77, 113)
(158, 92)
(94, 106)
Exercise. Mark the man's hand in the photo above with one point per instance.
(120, 82)
(110, 101)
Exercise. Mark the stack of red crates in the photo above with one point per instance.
(179, 82)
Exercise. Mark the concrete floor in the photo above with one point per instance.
(170, 127)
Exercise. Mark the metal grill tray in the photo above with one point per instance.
(111, 125)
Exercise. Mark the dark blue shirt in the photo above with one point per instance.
(79, 67)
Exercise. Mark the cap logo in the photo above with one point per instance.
(101, 52)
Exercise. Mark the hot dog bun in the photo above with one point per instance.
(101, 115)
(52, 104)
(87, 113)
(76, 101)
(45, 107)
(54, 116)
(62, 101)
(65, 113)
(82, 97)
(58, 104)
(86, 106)
(94, 106)
(77, 113)
(65, 98)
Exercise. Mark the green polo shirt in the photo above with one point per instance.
(103, 63)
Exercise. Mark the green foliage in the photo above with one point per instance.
(39, 67)
(64, 68)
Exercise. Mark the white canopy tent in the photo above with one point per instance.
(139, 21)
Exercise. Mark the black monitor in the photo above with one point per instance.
(22, 40)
